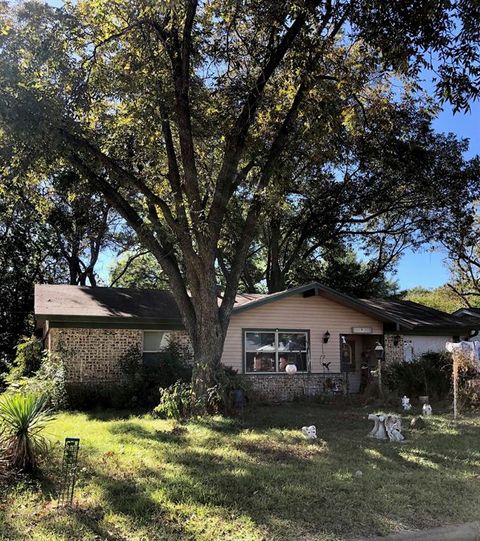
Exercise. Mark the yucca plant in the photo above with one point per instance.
(23, 418)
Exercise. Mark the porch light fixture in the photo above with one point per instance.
(379, 351)
(396, 340)
(326, 337)
(291, 369)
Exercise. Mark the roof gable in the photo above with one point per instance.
(315, 288)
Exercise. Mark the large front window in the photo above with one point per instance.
(272, 350)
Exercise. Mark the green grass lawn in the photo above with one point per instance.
(256, 479)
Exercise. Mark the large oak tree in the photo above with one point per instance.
(173, 110)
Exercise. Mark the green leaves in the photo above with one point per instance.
(23, 418)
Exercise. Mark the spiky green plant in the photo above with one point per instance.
(23, 418)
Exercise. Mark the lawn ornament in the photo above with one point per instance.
(427, 409)
(406, 404)
(386, 427)
(393, 425)
(378, 431)
(310, 432)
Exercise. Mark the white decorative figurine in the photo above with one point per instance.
(378, 430)
(393, 424)
(406, 404)
(427, 409)
(310, 432)
(386, 427)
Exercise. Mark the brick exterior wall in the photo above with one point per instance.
(283, 387)
(393, 353)
(93, 355)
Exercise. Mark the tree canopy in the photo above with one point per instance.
(183, 114)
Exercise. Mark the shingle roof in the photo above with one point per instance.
(55, 302)
(415, 315)
(66, 300)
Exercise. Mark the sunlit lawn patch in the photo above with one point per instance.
(254, 479)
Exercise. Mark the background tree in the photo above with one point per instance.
(441, 298)
(82, 225)
(24, 260)
(172, 110)
(137, 269)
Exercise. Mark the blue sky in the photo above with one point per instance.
(428, 268)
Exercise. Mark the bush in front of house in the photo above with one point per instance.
(138, 385)
(35, 371)
(428, 375)
(142, 382)
(179, 401)
(176, 402)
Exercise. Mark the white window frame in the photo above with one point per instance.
(143, 340)
(276, 332)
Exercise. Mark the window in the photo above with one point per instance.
(271, 351)
(154, 342)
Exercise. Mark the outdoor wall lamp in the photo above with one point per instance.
(379, 351)
(326, 337)
(396, 340)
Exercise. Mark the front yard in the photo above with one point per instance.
(257, 479)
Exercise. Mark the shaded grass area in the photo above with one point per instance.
(252, 479)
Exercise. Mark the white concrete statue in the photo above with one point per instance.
(378, 431)
(393, 425)
(386, 427)
(427, 409)
(310, 432)
(406, 404)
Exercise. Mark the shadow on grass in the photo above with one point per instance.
(259, 471)
(131, 431)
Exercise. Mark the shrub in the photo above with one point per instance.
(469, 393)
(142, 382)
(179, 401)
(430, 374)
(28, 358)
(48, 381)
(219, 397)
(23, 418)
(176, 402)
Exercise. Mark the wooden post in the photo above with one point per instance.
(455, 383)
(380, 385)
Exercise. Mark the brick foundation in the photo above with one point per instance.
(282, 387)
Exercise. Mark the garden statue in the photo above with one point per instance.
(378, 431)
(310, 432)
(393, 425)
(427, 409)
(386, 427)
(406, 404)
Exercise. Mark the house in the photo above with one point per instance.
(325, 333)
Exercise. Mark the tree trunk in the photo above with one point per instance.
(275, 276)
(208, 339)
